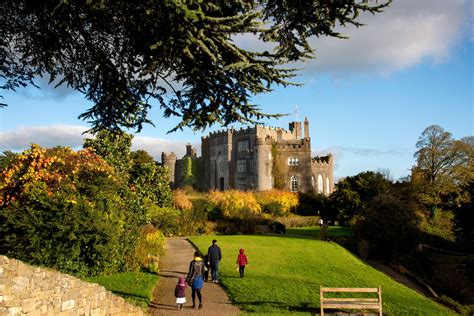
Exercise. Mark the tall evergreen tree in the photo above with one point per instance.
(124, 55)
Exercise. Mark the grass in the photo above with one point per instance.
(135, 287)
(285, 273)
(315, 231)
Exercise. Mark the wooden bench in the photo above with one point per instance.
(360, 303)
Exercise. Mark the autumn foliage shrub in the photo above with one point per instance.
(235, 204)
(277, 202)
(150, 246)
(181, 200)
(67, 210)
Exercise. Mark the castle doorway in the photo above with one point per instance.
(221, 183)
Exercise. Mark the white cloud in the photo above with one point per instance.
(71, 136)
(46, 136)
(404, 35)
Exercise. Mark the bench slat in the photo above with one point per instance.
(348, 289)
(355, 306)
(349, 299)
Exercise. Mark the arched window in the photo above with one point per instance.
(320, 184)
(312, 182)
(327, 185)
(294, 184)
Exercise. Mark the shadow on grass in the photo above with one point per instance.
(304, 307)
(138, 300)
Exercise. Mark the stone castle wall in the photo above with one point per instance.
(28, 290)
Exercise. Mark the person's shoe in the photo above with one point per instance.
(194, 306)
(200, 306)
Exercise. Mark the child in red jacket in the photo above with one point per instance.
(241, 262)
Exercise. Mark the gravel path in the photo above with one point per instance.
(175, 264)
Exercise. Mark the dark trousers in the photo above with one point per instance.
(214, 270)
(241, 271)
(193, 295)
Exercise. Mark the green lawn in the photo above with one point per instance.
(135, 287)
(315, 231)
(285, 273)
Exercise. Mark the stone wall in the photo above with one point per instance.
(28, 290)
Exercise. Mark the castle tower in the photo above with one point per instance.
(295, 128)
(190, 151)
(169, 161)
(306, 127)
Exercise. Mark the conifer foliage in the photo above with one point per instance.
(180, 54)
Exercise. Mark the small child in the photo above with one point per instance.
(241, 262)
(180, 293)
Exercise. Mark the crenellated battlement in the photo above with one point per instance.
(322, 160)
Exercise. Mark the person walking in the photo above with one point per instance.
(180, 293)
(214, 256)
(242, 262)
(195, 278)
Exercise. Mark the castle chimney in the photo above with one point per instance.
(306, 128)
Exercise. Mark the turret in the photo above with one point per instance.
(169, 161)
(306, 128)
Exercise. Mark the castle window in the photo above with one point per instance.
(243, 145)
(242, 165)
(241, 184)
(293, 161)
(294, 184)
(312, 182)
(320, 184)
(327, 185)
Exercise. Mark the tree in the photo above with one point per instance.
(438, 153)
(352, 194)
(113, 147)
(444, 165)
(141, 156)
(124, 55)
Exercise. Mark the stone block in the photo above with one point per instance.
(10, 302)
(66, 305)
(34, 313)
(14, 311)
(28, 294)
(28, 305)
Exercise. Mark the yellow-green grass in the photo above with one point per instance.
(285, 273)
(135, 287)
(315, 231)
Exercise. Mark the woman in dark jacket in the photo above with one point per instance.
(195, 278)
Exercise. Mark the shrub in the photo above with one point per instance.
(440, 224)
(389, 224)
(311, 204)
(298, 221)
(235, 204)
(277, 202)
(181, 200)
(149, 248)
(62, 209)
(166, 219)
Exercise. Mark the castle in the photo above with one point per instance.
(256, 158)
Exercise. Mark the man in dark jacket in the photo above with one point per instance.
(214, 256)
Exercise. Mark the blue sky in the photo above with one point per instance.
(368, 98)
